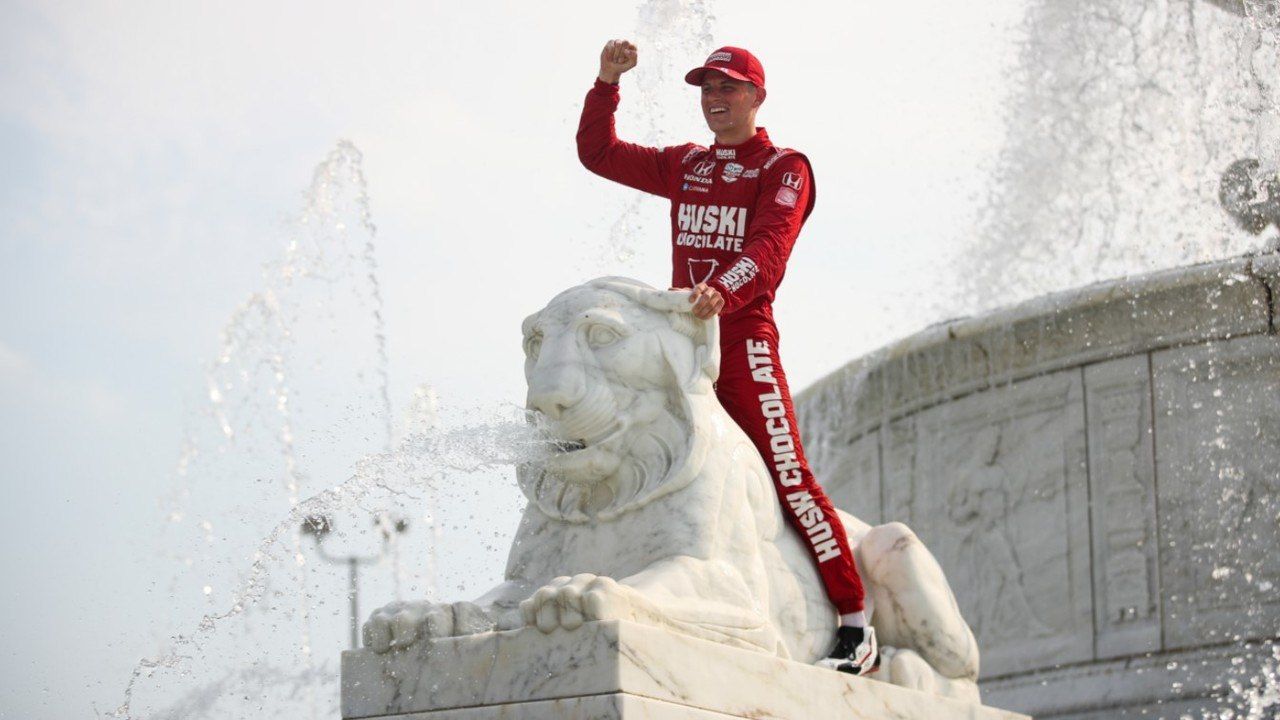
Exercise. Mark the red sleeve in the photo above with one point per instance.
(643, 168)
(785, 201)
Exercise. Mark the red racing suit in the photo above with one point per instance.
(735, 214)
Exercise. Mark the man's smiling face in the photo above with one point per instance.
(728, 104)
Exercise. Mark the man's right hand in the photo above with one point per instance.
(617, 57)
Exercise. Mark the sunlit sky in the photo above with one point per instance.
(152, 152)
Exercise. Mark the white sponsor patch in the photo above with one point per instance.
(740, 274)
(785, 461)
(693, 152)
(752, 173)
(710, 227)
(793, 180)
(726, 153)
(778, 154)
(704, 168)
(700, 271)
(815, 525)
(731, 172)
(786, 197)
(723, 57)
(724, 219)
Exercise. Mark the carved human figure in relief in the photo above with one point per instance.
(657, 509)
(979, 504)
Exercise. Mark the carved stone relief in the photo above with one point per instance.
(1122, 489)
(1171, 558)
(851, 477)
(847, 466)
(996, 482)
(1218, 471)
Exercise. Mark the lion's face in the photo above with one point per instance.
(608, 379)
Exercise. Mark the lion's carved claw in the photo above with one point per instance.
(401, 624)
(567, 602)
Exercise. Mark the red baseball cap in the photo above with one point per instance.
(735, 62)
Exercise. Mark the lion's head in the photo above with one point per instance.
(615, 369)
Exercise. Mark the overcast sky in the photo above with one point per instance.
(154, 154)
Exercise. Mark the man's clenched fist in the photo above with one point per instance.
(617, 57)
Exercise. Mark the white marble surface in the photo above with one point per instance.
(1135, 686)
(1126, 567)
(617, 669)
(1218, 463)
(656, 509)
(1111, 319)
(996, 482)
(617, 706)
(1115, 450)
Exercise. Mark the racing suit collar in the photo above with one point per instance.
(759, 141)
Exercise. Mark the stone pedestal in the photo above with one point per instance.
(616, 670)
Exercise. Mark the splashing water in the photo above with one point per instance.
(298, 389)
(204, 701)
(1126, 116)
(1123, 119)
(418, 460)
(1258, 695)
(674, 35)
(671, 36)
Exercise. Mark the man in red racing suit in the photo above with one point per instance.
(736, 209)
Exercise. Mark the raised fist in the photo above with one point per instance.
(617, 57)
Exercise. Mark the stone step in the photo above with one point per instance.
(619, 670)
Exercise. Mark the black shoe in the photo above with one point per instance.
(856, 651)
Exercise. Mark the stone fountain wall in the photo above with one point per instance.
(1098, 471)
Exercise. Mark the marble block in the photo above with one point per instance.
(616, 670)
(1218, 463)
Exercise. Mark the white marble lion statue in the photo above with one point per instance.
(657, 509)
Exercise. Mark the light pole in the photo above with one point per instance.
(318, 526)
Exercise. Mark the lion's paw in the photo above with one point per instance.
(906, 668)
(568, 602)
(401, 624)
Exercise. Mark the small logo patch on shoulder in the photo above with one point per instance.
(778, 154)
(693, 152)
